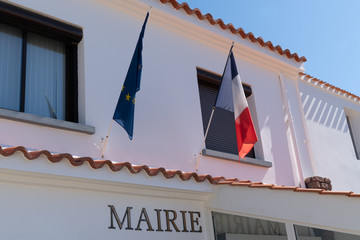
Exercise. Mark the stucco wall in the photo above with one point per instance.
(53, 207)
(333, 150)
(168, 125)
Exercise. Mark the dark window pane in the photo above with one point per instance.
(303, 232)
(45, 77)
(10, 67)
(228, 227)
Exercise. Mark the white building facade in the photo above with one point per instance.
(63, 66)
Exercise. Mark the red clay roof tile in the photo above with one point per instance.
(240, 184)
(336, 193)
(261, 185)
(354, 194)
(184, 176)
(310, 190)
(233, 30)
(228, 182)
(281, 187)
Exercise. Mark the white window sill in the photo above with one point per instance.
(47, 122)
(233, 157)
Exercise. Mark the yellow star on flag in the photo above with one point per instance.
(127, 97)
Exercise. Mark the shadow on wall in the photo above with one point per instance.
(324, 113)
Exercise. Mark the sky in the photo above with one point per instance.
(326, 32)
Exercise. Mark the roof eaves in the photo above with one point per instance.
(233, 30)
(184, 176)
(329, 87)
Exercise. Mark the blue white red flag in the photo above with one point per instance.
(231, 97)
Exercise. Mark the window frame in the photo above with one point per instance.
(213, 80)
(352, 117)
(31, 21)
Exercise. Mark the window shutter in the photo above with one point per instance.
(222, 134)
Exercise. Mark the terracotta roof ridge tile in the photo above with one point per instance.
(226, 182)
(345, 193)
(232, 29)
(354, 194)
(241, 184)
(321, 83)
(154, 171)
(261, 185)
(114, 166)
(310, 190)
(282, 187)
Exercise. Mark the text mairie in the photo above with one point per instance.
(173, 221)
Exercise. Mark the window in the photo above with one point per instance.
(353, 120)
(221, 136)
(228, 227)
(303, 232)
(231, 227)
(38, 64)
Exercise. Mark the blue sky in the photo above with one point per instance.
(326, 32)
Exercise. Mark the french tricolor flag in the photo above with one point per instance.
(231, 97)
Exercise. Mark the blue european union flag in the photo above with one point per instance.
(125, 108)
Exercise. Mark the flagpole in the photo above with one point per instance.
(203, 144)
(106, 140)
(211, 117)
